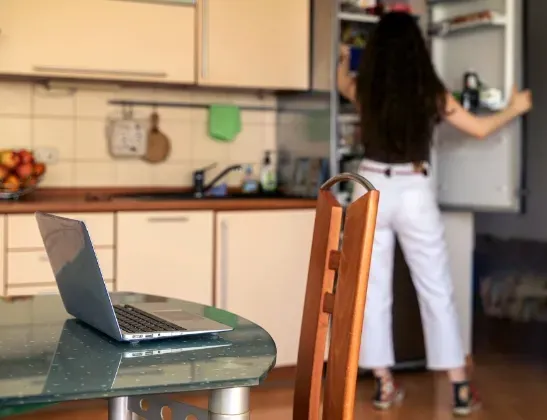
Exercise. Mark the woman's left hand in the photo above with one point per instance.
(344, 52)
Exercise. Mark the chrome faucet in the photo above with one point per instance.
(198, 178)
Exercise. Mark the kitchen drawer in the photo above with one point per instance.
(49, 289)
(32, 267)
(23, 230)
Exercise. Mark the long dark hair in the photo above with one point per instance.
(400, 96)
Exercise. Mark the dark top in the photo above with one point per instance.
(375, 150)
(47, 357)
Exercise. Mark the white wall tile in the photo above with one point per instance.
(15, 132)
(15, 99)
(171, 175)
(95, 174)
(133, 173)
(56, 133)
(248, 147)
(54, 102)
(61, 174)
(91, 142)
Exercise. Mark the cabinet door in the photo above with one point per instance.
(103, 39)
(167, 254)
(250, 43)
(262, 265)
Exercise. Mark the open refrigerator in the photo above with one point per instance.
(483, 37)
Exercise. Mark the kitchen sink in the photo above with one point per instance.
(170, 196)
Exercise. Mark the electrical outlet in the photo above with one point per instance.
(49, 155)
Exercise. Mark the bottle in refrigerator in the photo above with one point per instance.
(470, 98)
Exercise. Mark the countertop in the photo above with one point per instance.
(58, 200)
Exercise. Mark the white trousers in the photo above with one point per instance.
(408, 209)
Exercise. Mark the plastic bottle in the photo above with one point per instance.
(268, 175)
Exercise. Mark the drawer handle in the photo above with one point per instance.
(103, 72)
(181, 219)
(167, 2)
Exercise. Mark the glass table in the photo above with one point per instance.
(48, 357)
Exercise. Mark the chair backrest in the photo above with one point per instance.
(341, 306)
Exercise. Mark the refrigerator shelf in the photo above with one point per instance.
(358, 17)
(442, 29)
(348, 118)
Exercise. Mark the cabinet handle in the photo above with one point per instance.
(167, 2)
(180, 219)
(223, 277)
(104, 72)
(204, 38)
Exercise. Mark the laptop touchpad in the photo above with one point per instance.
(176, 315)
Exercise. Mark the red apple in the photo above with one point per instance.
(24, 170)
(26, 156)
(9, 159)
(39, 169)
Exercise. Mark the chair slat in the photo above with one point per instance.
(315, 322)
(349, 305)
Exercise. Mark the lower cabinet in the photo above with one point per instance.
(166, 253)
(27, 270)
(262, 262)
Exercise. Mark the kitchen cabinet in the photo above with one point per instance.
(254, 44)
(24, 233)
(262, 262)
(135, 40)
(27, 270)
(166, 253)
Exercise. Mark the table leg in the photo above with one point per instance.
(118, 409)
(229, 404)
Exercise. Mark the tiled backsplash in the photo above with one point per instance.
(73, 122)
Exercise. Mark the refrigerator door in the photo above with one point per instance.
(476, 174)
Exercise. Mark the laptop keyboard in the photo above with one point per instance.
(134, 320)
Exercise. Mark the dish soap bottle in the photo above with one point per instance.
(268, 176)
(249, 185)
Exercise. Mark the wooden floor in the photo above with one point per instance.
(510, 373)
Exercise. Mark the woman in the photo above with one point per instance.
(401, 99)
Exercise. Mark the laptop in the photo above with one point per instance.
(85, 297)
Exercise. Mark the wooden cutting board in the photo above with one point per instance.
(159, 145)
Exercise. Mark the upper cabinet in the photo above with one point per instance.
(140, 40)
(254, 44)
(262, 44)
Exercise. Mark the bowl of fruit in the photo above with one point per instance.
(20, 173)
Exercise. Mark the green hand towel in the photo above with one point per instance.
(224, 122)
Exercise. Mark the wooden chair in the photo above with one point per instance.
(343, 308)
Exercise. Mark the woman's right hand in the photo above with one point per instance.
(520, 102)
